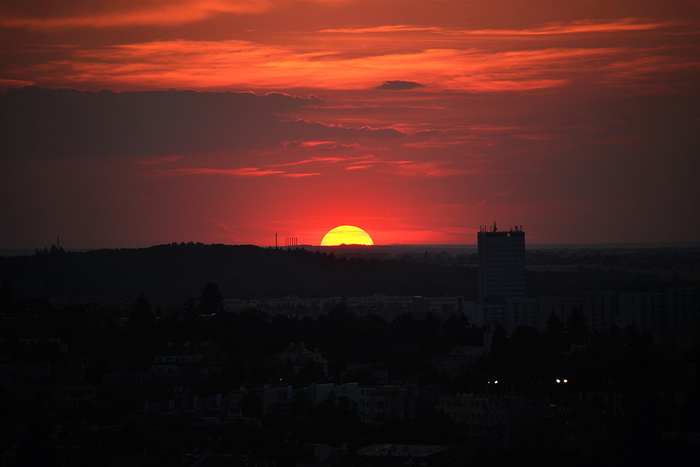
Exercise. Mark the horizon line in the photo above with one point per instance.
(19, 251)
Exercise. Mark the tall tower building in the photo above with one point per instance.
(501, 264)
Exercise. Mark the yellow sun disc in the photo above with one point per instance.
(346, 235)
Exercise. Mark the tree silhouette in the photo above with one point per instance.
(578, 330)
(142, 318)
(140, 332)
(7, 295)
(210, 299)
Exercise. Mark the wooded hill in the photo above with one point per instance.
(174, 272)
(170, 274)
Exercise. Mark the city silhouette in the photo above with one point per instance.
(351, 355)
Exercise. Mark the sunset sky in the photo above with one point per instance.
(129, 123)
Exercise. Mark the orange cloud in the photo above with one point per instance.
(14, 83)
(300, 175)
(113, 13)
(357, 167)
(438, 57)
(331, 160)
(349, 163)
(328, 145)
(243, 64)
(393, 167)
(647, 71)
(395, 28)
(574, 27)
(424, 169)
(121, 13)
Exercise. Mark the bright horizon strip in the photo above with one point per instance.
(346, 235)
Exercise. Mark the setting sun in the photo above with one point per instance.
(346, 235)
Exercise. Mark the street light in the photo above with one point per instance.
(489, 383)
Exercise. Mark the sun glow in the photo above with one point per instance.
(346, 235)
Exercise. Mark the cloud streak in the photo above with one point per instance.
(575, 27)
(115, 13)
(321, 166)
(495, 196)
(246, 64)
(44, 123)
(242, 172)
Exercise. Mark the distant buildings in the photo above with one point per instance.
(670, 308)
(495, 420)
(674, 310)
(387, 307)
(503, 298)
(300, 358)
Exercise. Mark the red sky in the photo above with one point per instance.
(418, 121)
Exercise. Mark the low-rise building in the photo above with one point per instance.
(493, 420)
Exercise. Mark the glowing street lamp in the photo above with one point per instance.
(489, 383)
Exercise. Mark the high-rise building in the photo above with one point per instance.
(501, 265)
